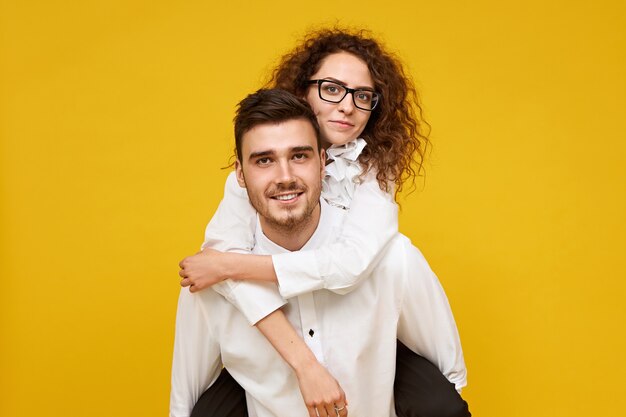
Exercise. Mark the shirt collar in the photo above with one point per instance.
(264, 245)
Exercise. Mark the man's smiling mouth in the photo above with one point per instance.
(286, 197)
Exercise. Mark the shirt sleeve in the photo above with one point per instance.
(369, 225)
(233, 224)
(426, 324)
(196, 364)
(232, 229)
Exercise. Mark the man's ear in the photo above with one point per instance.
(239, 172)
(323, 163)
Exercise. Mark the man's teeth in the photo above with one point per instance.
(286, 196)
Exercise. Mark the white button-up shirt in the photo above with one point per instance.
(338, 265)
(353, 335)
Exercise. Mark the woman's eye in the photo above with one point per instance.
(332, 89)
(364, 97)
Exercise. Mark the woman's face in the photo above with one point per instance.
(340, 122)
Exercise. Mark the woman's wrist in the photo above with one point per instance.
(303, 360)
(246, 267)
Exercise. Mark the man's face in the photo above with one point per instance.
(282, 168)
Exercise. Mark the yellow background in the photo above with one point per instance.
(115, 117)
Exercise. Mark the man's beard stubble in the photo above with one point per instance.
(292, 222)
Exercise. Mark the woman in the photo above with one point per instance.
(365, 108)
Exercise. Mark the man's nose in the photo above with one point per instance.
(285, 173)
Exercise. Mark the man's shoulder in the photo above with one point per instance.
(401, 248)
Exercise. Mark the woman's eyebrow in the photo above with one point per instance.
(336, 81)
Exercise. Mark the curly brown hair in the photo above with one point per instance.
(396, 133)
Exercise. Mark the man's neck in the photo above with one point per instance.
(292, 237)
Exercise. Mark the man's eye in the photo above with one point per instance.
(263, 161)
(299, 156)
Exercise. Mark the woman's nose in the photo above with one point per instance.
(346, 105)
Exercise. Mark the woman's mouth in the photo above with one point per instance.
(342, 124)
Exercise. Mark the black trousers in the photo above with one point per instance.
(420, 390)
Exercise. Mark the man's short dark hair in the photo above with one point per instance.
(271, 106)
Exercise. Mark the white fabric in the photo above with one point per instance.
(372, 221)
(354, 334)
(342, 173)
(232, 229)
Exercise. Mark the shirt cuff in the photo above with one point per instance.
(256, 300)
(297, 273)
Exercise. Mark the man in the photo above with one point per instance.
(281, 164)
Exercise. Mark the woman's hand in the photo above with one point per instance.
(211, 266)
(201, 270)
(321, 392)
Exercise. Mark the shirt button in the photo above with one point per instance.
(311, 332)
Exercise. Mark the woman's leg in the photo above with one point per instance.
(421, 390)
(225, 398)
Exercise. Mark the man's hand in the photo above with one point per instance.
(321, 392)
(201, 270)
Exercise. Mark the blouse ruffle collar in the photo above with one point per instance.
(342, 173)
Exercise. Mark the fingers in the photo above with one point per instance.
(340, 406)
(329, 410)
(329, 402)
(320, 411)
(341, 409)
(196, 273)
(185, 282)
(183, 274)
(336, 410)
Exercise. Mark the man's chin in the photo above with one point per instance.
(285, 222)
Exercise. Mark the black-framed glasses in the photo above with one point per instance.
(333, 92)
